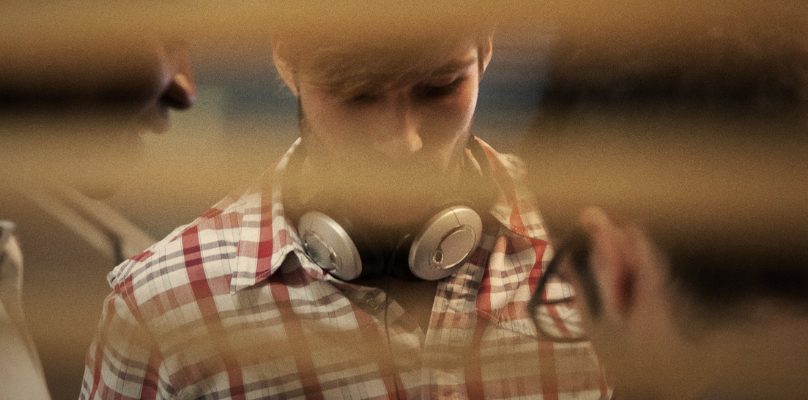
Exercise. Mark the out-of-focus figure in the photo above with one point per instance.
(680, 205)
(71, 116)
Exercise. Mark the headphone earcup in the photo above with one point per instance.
(329, 245)
(446, 241)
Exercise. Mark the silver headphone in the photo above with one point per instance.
(436, 252)
(444, 243)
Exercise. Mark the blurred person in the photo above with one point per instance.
(683, 240)
(71, 116)
(389, 254)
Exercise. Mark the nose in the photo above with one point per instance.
(181, 91)
(401, 128)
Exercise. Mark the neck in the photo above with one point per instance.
(387, 204)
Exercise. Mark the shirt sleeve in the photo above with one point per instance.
(123, 360)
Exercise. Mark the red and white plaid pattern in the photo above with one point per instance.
(230, 307)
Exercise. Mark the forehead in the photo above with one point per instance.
(350, 67)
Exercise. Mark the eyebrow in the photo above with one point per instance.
(456, 65)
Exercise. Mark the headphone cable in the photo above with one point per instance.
(387, 290)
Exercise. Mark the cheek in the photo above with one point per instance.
(329, 124)
(452, 114)
(446, 124)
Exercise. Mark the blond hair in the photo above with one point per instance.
(348, 61)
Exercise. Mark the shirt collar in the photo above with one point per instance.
(266, 235)
(515, 206)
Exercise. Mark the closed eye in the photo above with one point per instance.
(424, 91)
(363, 98)
(430, 91)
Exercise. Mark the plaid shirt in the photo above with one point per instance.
(230, 307)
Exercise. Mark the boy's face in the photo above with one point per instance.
(393, 142)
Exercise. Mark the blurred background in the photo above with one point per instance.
(578, 89)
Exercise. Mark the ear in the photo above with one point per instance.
(485, 58)
(285, 71)
(617, 261)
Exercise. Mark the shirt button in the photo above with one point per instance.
(372, 304)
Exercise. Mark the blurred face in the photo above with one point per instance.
(568, 307)
(79, 117)
(398, 144)
(606, 284)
